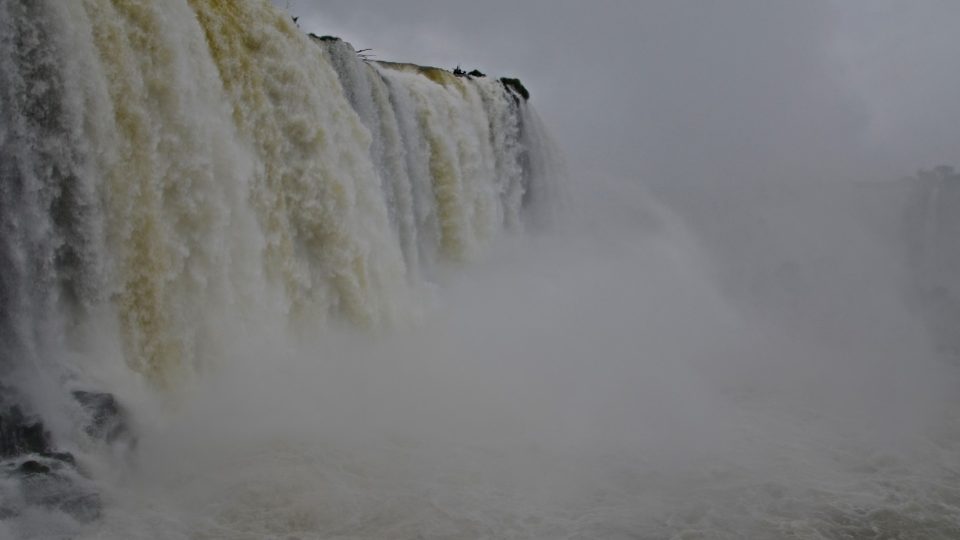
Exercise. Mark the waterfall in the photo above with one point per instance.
(173, 173)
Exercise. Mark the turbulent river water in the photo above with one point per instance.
(255, 286)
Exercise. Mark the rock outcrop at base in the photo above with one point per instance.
(37, 474)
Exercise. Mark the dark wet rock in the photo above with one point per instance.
(34, 464)
(20, 434)
(516, 87)
(324, 38)
(107, 420)
(36, 474)
(457, 72)
(33, 467)
(476, 73)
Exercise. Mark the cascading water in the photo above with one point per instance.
(173, 174)
(227, 311)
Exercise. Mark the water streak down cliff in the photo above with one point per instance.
(170, 170)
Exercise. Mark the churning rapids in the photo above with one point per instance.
(255, 286)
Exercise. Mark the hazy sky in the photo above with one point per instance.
(697, 91)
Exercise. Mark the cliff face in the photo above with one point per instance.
(174, 173)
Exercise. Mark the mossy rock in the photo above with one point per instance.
(33, 467)
(516, 86)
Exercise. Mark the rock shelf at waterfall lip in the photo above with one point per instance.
(324, 38)
(515, 85)
(512, 85)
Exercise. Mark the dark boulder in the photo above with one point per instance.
(515, 86)
(35, 474)
(21, 435)
(33, 467)
(35, 464)
(107, 420)
(476, 73)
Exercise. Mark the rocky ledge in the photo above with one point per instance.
(34, 473)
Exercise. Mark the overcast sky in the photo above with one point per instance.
(698, 91)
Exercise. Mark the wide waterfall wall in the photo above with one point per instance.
(172, 170)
